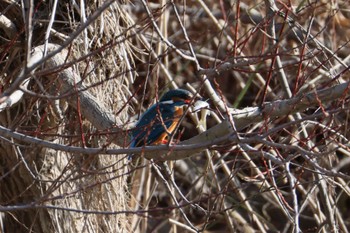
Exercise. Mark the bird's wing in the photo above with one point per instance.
(149, 128)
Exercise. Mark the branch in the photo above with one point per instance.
(31, 67)
(102, 119)
(279, 108)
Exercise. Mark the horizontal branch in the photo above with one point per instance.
(250, 115)
(218, 134)
(281, 108)
(103, 119)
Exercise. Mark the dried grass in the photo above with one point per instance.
(284, 173)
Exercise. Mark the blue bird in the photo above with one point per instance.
(161, 119)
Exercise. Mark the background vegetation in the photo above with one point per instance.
(75, 76)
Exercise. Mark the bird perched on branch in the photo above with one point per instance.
(160, 120)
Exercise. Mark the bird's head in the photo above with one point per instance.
(177, 95)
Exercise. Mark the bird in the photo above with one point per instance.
(158, 122)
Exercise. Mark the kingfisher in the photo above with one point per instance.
(160, 120)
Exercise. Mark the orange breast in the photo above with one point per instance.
(177, 115)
